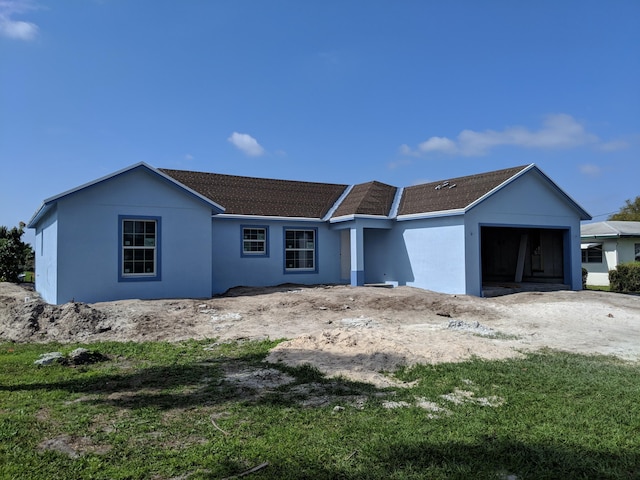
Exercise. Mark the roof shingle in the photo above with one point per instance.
(372, 198)
(453, 194)
(262, 196)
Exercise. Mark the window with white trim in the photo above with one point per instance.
(254, 241)
(300, 249)
(592, 254)
(139, 247)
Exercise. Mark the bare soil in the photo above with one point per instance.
(355, 332)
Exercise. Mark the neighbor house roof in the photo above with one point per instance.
(610, 229)
(262, 196)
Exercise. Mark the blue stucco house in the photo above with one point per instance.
(145, 232)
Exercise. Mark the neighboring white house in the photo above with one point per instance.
(144, 232)
(607, 244)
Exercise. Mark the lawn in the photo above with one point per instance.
(201, 410)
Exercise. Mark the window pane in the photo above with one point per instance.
(139, 240)
(300, 249)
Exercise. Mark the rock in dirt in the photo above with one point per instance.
(50, 358)
(82, 356)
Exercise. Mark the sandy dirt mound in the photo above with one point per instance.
(354, 332)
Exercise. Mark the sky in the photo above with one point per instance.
(339, 91)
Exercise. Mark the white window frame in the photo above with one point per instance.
(257, 241)
(134, 243)
(299, 244)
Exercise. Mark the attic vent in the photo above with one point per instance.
(444, 185)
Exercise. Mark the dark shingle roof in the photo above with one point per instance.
(262, 196)
(428, 197)
(372, 198)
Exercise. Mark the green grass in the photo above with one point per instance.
(600, 288)
(159, 411)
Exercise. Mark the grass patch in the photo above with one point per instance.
(201, 410)
(599, 288)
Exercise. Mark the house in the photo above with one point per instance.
(146, 232)
(604, 245)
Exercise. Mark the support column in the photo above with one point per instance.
(357, 256)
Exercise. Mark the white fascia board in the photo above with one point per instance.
(396, 203)
(338, 202)
(442, 213)
(346, 218)
(268, 217)
(595, 237)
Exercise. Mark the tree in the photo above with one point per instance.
(15, 255)
(630, 212)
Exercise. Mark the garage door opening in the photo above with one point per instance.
(523, 259)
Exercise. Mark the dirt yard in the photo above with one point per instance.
(354, 332)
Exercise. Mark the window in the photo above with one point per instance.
(637, 256)
(300, 250)
(139, 245)
(254, 241)
(592, 254)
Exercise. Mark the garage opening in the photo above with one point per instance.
(522, 259)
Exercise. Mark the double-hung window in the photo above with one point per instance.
(254, 241)
(139, 243)
(300, 250)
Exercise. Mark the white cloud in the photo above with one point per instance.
(590, 170)
(558, 131)
(246, 143)
(188, 156)
(16, 29)
(438, 144)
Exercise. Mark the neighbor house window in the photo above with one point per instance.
(254, 241)
(637, 257)
(139, 247)
(592, 254)
(300, 250)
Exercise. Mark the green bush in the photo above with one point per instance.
(15, 255)
(585, 273)
(625, 278)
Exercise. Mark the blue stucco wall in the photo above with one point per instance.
(231, 269)
(88, 242)
(423, 253)
(46, 257)
(529, 201)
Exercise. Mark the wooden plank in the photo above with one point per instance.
(524, 238)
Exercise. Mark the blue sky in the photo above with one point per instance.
(340, 91)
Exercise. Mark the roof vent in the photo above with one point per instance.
(442, 185)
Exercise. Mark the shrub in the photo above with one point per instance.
(15, 255)
(625, 278)
(585, 273)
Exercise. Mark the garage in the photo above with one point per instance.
(524, 256)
